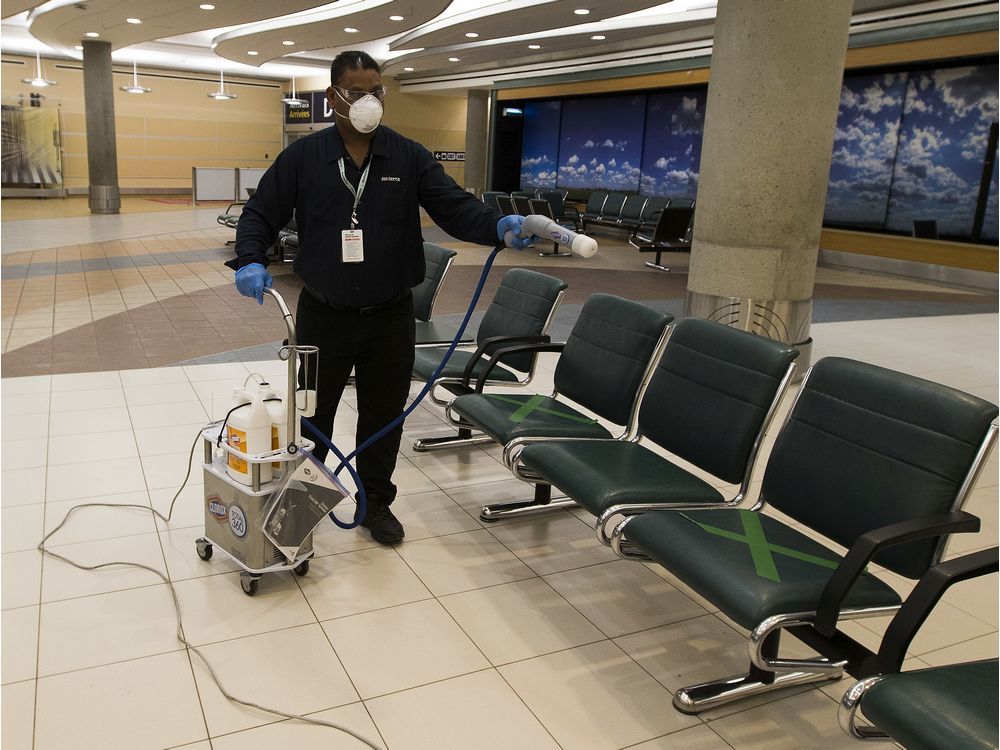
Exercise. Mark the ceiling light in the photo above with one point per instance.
(534, 46)
(288, 43)
(38, 81)
(408, 70)
(92, 34)
(221, 94)
(396, 18)
(133, 20)
(351, 30)
(252, 52)
(454, 59)
(293, 101)
(134, 87)
(206, 6)
(582, 11)
(598, 37)
(471, 34)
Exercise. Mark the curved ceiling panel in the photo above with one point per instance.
(516, 17)
(502, 53)
(63, 23)
(12, 7)
(326, 29)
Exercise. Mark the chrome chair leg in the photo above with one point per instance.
(542, 502)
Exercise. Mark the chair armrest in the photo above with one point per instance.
(495, 342)
(867, 546)
(631, 510)
(501, 353)
(921, 601)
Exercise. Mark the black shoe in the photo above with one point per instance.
(383, 525)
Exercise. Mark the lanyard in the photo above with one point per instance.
(356, 193)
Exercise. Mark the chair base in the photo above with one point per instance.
(697, 698)
(556, 253)
(460, 440)
(542, 502)
(657, 266)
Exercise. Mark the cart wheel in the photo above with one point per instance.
(204, 549)
(249, 583)
(302, 568)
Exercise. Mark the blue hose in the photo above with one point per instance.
(345, 461)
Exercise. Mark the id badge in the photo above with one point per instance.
(352, 245)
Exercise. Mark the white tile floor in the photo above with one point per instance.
(513, 635)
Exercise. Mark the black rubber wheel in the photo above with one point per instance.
(249, 584)
(204, 550)
(302, 568)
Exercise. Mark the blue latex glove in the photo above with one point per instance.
(251, 280)
(513, 224)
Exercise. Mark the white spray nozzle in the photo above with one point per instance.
(544, 227)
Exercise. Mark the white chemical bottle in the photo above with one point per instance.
(249, 431)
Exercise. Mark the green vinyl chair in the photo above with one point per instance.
(429, 332)
(871, 460)
(711, 398)
(522, 310)
(603, 368)
(951, 707)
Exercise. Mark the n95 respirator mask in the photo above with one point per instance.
(365, 114)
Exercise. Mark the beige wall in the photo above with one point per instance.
(161, 135)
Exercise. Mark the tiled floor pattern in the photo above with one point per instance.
(513, 635)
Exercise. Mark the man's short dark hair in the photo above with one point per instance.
(351, 60)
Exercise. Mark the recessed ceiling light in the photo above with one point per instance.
(534, 46)
(471, 34)
(206, 6)
(133, 20)
(351, 30)
(396, 18)
(582, 11)
(252, 52)
(408, 70)
(454, 59)
(92, 34)
(598, 37)
(288, 43)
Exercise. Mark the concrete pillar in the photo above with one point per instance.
(773, 95)
(476, 141)
(102, 153)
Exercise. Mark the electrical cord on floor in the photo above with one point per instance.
(177, 605)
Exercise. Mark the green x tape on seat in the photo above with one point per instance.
(521, 312)
(709, 402)
(952, 707)
(602, 367)
(872, 460)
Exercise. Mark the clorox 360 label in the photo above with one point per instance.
(217, 508)
(237, 521)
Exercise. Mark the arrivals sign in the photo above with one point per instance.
(317, 109)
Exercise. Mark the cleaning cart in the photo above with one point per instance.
(243, 482)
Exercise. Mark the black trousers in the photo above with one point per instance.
(378, 345)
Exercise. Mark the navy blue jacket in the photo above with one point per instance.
(403, 176)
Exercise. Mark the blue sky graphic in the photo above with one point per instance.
(864, 149)
(540, 144)
(991, 230)
(600, 143)
(942, 145)
(672, 149)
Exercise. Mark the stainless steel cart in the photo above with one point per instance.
(233, 511)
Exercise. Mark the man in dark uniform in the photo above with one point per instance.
(356, 189)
